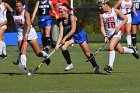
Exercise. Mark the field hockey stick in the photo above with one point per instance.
(96, 52)
(38, 66)
(100, 48)
(23, 46)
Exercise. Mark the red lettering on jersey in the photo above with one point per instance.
(109, 19)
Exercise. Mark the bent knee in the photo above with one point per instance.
(121, 51)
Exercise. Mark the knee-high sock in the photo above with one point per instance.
(111, 58)
(23, 60)
(4, 48)
(129, 41)
(128, 50)
(92, 60)
(67, 56)
(1, 47)
(134, 39)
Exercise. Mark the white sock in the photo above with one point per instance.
(111, 58)
(129, 40)
(22, 63)
(128, 50)
(4, 48)
(1, 47)
(23, 60)
(45, 55)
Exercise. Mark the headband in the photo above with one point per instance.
(63, 7)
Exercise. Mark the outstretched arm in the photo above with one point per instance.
(35, 11)
(73, 28)
(60, 35)
(117, 4)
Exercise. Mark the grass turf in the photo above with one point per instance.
(53, 79)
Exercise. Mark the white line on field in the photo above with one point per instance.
(84, 91)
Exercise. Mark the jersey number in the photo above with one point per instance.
(43, 11)
(111, 25)
(137, 5)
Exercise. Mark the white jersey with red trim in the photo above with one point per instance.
(19, 21)
(3, 11)
(22, 27)
(126, 6)
(110, 22)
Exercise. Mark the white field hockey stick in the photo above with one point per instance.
(99, 49)
(39, 65)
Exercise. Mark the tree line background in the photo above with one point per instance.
(86, 11)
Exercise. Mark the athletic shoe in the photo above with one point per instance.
(47, 61)
(108, 69)
(0, 56)
(69, 67)
(4, 56)
(96, 70)
(46, 49)
(16, 63)
(135, 54)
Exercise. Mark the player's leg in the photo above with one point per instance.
(66, 54)
(130, 50)
(54, 33)
(133, 34)
(128, 33)
(2, 30)
(22, 57)
(47, 37)
(4, 52)
(112, 44)
(87, 53)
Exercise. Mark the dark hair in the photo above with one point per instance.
(67, 6)
(22, 1)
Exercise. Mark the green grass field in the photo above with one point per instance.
(53, 79)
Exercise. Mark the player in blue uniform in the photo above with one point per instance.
(71, 31)
(135, 21)
(44, 20)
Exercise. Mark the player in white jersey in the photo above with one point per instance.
(27, 33)
(111, 32)
(126, 6)
(3, 21)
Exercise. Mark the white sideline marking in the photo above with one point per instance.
(100, 90)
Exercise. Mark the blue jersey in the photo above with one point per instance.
(44, 14)
(44, 8)
(79, 36)
(136, 19)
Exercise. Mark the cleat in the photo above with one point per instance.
(69, 67)
(0, 56)
(16, 63)
(47, 61)
(46, 49)
(135, 54)
(4, 56)
(96, 70)
(108, 69)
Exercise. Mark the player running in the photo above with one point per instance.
(3, 21)
(126, 6)
(44, 20)
(135, 21)
(70, 32)
(111, 28)
(27, 33)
